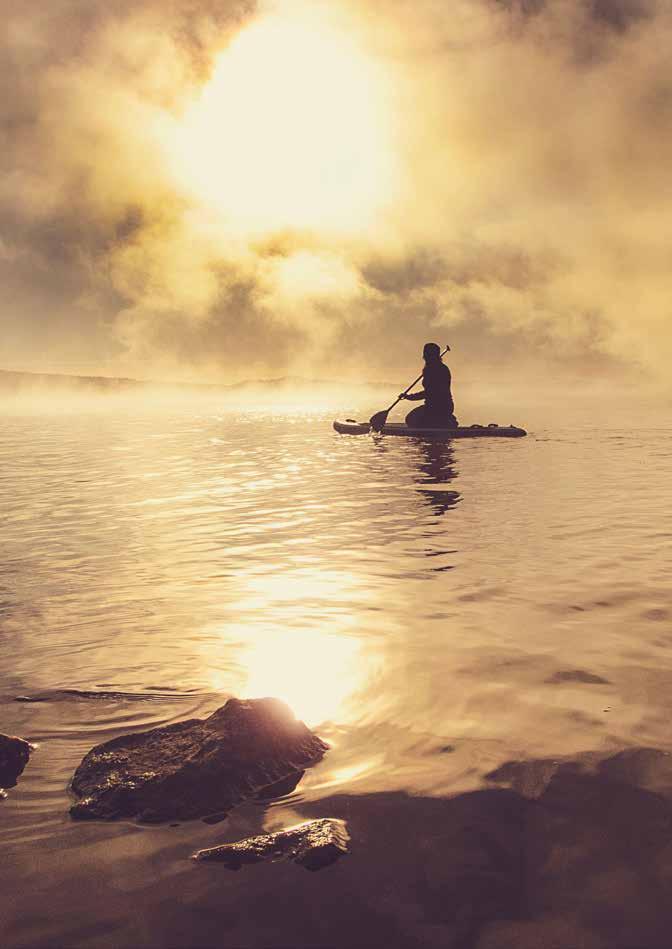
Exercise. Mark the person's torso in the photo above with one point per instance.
(436, 382)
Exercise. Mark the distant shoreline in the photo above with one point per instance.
(14, 381)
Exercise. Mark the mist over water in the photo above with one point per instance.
(434, 611)
(184, 231)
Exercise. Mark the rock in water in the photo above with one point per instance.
(14, 755)
(195, 768)
(313, 845)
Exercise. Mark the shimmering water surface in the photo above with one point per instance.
(432, 610)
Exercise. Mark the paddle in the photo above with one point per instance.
(378, 420)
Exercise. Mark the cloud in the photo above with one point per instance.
(539, 153)
(525, 207)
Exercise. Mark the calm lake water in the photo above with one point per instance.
(433, 611)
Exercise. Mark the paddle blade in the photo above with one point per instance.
(378, 420)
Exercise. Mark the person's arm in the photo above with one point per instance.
(413, 396)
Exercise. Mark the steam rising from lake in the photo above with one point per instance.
(527, 216)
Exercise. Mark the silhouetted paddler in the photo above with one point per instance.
(437, 412)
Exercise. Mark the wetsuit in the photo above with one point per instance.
(438, 408)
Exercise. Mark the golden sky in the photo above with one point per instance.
(224, 190)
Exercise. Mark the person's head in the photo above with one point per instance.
(431, 352)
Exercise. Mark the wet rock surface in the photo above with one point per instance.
(14, 755)
(196, 768)
(314, 844)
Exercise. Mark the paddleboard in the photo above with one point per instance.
(352, 427)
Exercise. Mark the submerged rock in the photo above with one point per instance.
(195, 768)
(14, 755)
(314, 844)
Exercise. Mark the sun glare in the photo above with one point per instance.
(295, 638)
(291, 132)
(314, 672)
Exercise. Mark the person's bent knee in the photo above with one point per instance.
(415, 418)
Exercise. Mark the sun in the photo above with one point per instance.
(292, 131)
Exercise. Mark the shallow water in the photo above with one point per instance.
(432, 610)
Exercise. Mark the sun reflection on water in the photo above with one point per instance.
(295, 639)
(307, 590)
(349, 774)
(314, 673)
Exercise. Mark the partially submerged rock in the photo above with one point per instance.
(314, 844)
(14, 755)
(195, 768)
